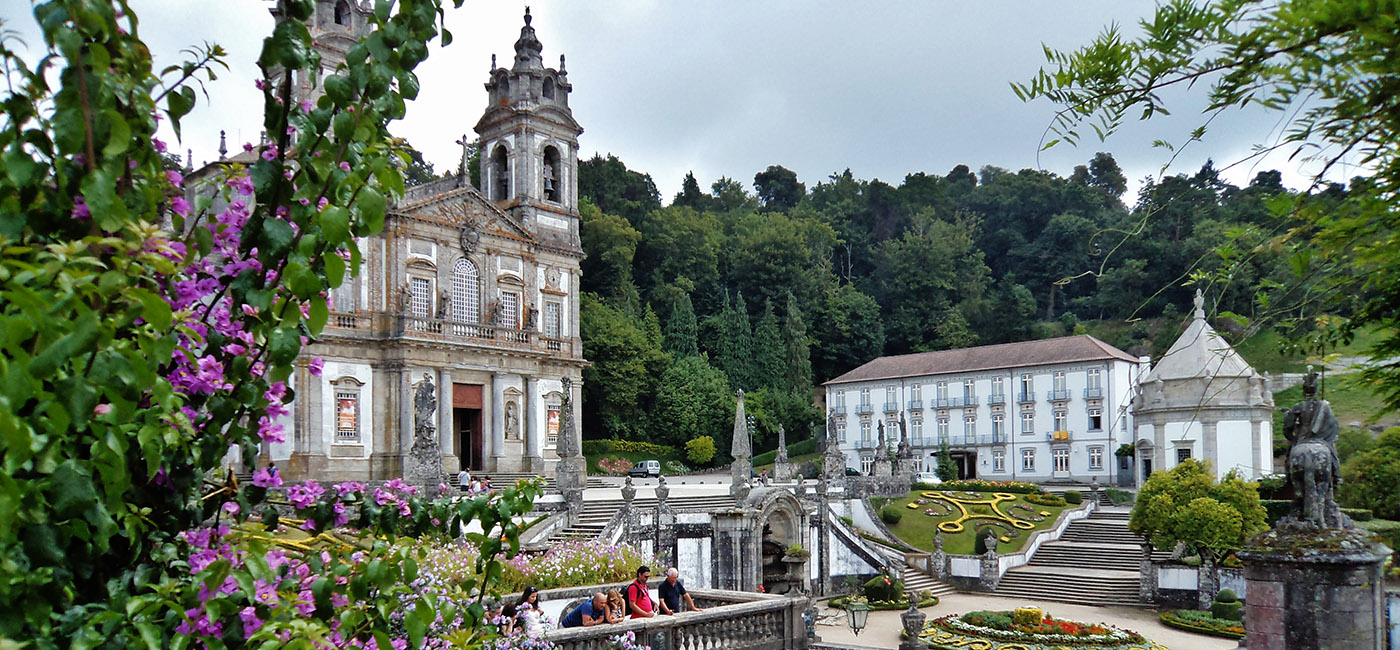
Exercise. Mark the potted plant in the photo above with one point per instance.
(795, 553)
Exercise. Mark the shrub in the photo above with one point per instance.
(884, 588)
(700, 450)
(891, 515)
(596, 447)
(1045, 500)
(1226, 606)
(1027, 616)
(1119, 497)
(979, 544)
(980, 485)
(1358, 514)
(1073, 497)
(1276, 509)
(1203, 623)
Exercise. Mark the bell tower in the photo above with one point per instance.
(529, 142)
(335, 26)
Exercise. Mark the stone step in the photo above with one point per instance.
(917, 581)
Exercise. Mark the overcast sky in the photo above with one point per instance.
(726, 88)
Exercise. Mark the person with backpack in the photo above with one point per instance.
(639, 597)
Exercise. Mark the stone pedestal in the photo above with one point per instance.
(913, 622)
(1314, 589)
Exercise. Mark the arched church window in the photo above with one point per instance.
(342, 13)
(466, 292)
(548, 91)
(551, 174)
(502, 170)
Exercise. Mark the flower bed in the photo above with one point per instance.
(996, 630)
(1202, 623)
(565, 564)
(840, 602)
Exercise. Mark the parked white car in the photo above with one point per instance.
(927, 478)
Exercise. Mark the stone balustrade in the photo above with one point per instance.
(731, 619)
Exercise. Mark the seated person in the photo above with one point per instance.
(588, 614)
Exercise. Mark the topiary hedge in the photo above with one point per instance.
(1073, 497)
(884, 588)
(979, 485)
(1045, 500)
(596, 447)
(1119, 497)
(891, 515)
(1202, 623)
(840, 602)
(1226, 606)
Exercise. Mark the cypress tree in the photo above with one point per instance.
(768, 356)
(682, 332)
(797, 355)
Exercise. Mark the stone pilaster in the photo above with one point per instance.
(1209, 443)
(498, 423)
(445, 430)
(1207, 582)
(534, 434)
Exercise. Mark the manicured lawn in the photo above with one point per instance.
(917, 528)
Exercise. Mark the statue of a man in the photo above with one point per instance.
(424, 400)
(1313, 467)
(512, 421)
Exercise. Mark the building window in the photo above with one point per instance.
(1123, 422)
(1095, 419)
(1096, 458)
(342, 13)
(347, 416)
(998, 427)
(969, 427)
(509, 315)
(865, 431)
(548, 90)
(918, 464)
(466, 292)
(998, 460)
(420, 297)
(1027, 423)
(969, 391)
(550, 174)
(892, 431)
(865, 464)
(1028, 460)
(1182, 454)
(998, 387)
(1060, 421)
(1095, 378)
(865, 397)
(916, 393)
(501, 167)
(942, 390)
(840, 399)
(841, 432)
(552, 319)
(942, 429)
(1027, 384)
(1059, 380)
(916, 429)
(1062, 460)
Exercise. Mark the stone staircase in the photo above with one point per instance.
(916, 581)
(1095, 562)
(1060, 490)
(506, 479)
(596, 514)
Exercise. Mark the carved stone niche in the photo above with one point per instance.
(512, 412)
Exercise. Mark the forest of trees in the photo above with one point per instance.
(778, 290)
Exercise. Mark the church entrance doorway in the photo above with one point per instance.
(466, 424)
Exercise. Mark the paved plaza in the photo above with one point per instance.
(882, 629)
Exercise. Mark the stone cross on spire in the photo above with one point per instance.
(464, 143)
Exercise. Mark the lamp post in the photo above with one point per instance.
(856, 613)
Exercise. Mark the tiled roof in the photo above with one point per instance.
(1066, 349)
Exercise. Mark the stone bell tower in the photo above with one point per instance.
(335, 26)
(529, 142)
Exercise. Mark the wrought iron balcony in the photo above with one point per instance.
(838, 410)
(1093, 393)
(965, 402)
(916, 405)
(997, 399)
(1025, 398)
(866, 444)
(891, 407)
(864, 409)
(1058, 396)
(942, 403)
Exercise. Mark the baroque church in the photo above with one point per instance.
(473, 290)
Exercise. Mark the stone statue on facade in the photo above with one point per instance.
(532, 316)
(512, 421)
(1313, 467)
(423, 467)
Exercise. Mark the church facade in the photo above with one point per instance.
(470, 293)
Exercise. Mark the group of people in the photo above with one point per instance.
(467, 484)
(613, 606)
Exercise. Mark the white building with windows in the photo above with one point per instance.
(1053, 409)
(1203, 400)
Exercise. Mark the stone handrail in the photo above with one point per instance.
(733, 620)
(1023, 557)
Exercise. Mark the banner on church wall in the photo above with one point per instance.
(347, 414)
(552, 425)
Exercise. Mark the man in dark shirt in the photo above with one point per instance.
(671, 591)
(588, 614)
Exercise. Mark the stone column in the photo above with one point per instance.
(665, 524)
(1315, 589)
(498, 423)
(824, 532)
(991, 573)
(405, 436)
(1207, 582)
(445, 430)
(534, 433)
(1159, 445)
(629, 513)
